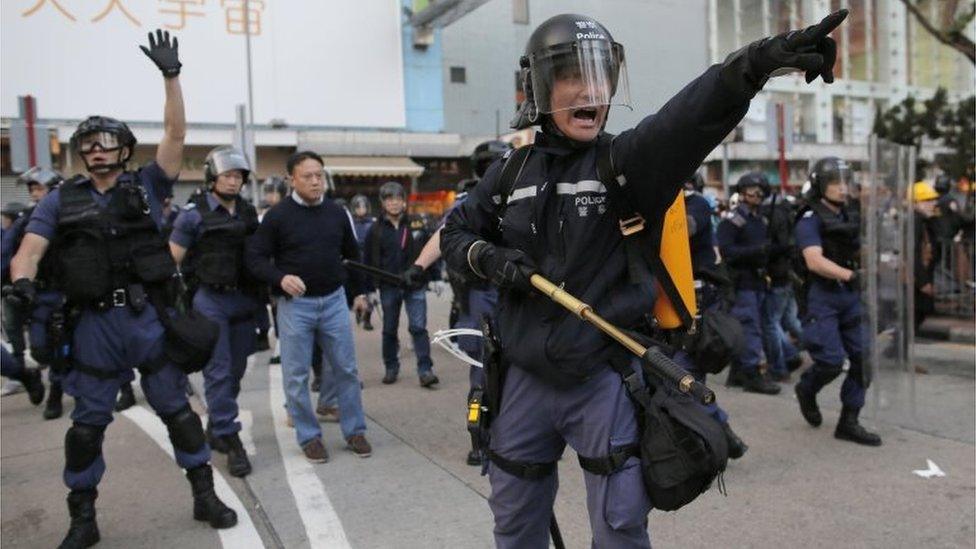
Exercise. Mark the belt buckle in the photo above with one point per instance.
(633, 225)
(118, 297)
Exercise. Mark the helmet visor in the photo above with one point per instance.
(842, 174)
(107, 141)
(584, 74)
(229, 160)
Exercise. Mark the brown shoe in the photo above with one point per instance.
(315, 452)
(359, 446)
(328, 413)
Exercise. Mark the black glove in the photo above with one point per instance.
(21, 295)
(809, 50)
(506, 267)
(414, 277)
(165, 54)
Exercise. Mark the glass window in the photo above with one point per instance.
(458, 75)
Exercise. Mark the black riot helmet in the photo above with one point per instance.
(826, 171)
(487, 153)
(754, 179)
(275, 184)
(695, 183)
(40, 176)
(391, 189)
(357, 201)
(224, 159)
(570, 46)
(13, 209)
(943, 184)
(108, 134)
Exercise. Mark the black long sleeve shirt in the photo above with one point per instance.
(308, 241)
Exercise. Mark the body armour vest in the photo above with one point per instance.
(46, 269)
(840, 235)
(217, 258)
(100, 249)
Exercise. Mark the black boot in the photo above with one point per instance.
(237, 462)
(734, 378)
(206, 505)
(127, 398)
(755, 382)
(261, 341)
(808, 406)
(216, 443)
(849, 429)
(83, 531)
(35, 387)
(53, 409)
(737, 447)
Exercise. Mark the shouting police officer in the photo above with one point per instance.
(828, 236)
(745, 247)
(111, 258)
(208, 239)
(47, 305)
(552, 218)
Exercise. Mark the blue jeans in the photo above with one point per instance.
(777, 345)
(791, 317)
(325, 319)
(416, 303)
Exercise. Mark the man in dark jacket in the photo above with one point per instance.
(393, 244)
(553, 219)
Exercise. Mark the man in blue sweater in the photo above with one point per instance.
(298, 250)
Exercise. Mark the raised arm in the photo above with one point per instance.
(165, 54)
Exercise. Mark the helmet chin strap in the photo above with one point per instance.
(103, 169)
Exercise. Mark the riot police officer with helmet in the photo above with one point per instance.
(45, 317)
(745, 247)
(114, 268)
(543, 214)
(208, 238)
(828, 236)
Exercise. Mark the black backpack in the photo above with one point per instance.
(718, 338)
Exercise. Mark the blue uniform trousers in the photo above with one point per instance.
(747, 309)
(111, 342)
(535, 423)
(832, 330)
(416, 304)
(10, 367)
(480, 303)
(234, 312)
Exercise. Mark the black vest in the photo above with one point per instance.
(46, 269)
(217, 258)
(840, 235)
(100, 249)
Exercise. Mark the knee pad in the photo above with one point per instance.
(185, 430)
(82, 445)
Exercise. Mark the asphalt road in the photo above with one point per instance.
(796, 485)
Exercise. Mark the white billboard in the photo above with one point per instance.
(315, 62)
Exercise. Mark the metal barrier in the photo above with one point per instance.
(953, 278)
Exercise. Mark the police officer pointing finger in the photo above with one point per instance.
(545, 209)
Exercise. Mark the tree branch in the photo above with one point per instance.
(957, 41)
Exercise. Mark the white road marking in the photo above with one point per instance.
(932, 471)
(243, 535)
(322, 524)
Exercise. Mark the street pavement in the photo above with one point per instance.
(796, 485)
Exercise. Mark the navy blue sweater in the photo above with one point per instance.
(307, 241)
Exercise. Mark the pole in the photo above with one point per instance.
(29, 115)
(251, 148)
(781, 145)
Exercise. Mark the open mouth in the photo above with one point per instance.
(585, 114)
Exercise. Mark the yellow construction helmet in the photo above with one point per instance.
(922, 191)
